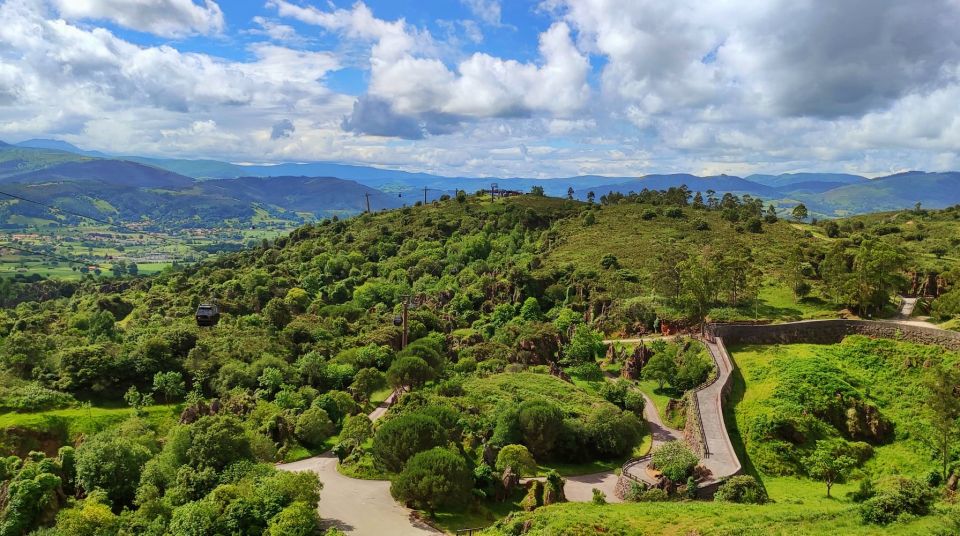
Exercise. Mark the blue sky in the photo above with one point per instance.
(489, 87)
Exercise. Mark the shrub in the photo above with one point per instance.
(897, 497)
(653, 495)
(314, 427)
(743, 489)
(675, 460)
(539, 424)
(434, 479)
(612, 433)
(599, 497)
(634, 401)
(518, 458)
(590, 372)
(616, 391)
(398, 439)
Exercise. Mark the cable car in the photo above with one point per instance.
(208, 315)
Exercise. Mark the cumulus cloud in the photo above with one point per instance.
(167, 18)
(416, 84)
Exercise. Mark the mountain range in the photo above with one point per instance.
(191, 192)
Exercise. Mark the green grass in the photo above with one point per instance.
(803, 517)
(479, 515)
(876, 368)
(49, 430)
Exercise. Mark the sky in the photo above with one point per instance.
(536, 88)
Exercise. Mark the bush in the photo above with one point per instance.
(433, 479)
(314, 427)
(897, 497)
(590, 372)
(398, 439)
(616, 391)
(32, 397)
(518, 458)
(599, 497)
(634, 402)
(742, 489)
(675, 460)
(612, 433)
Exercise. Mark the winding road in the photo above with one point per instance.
(660, 434)
(359, 506)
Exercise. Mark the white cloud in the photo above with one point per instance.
(167, 18)
(487, 11)
(407, 74)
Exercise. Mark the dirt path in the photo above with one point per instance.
(359, 506)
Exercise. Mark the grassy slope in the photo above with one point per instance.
(621, 230)
(799, 505)
(879, 372)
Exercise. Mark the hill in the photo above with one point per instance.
(790, 180)
(934, 190)
(59, 145)
(129, 192)
(500, 296)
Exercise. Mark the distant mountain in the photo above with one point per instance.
(129, 192)
(16, 160)
(112, 172)
(902, 190)
(59, 145)
(826, 194)
(792, 180)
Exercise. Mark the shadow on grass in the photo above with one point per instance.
(733, 429)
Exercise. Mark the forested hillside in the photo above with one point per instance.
(310, 337)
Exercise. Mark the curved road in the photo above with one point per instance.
(359, 506)
(660, 433)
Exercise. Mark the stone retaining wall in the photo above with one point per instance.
(833, 331)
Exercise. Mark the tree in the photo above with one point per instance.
(530, 310)
(433, 479)
(358, 428)
(570, 192)
(313, 427)
(518, 458)
(943, 405)
(409, 373)
(170, 384)
(217, 441)
(113, 464)
(800, 212)
(540, 424)
(591, 197)
(366, 382)
(398, 439)
(661, 368)
(584, 347)
(829, 463)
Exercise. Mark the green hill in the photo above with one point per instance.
(501, 295)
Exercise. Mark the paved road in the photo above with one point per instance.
(660, 432)
(359, 506)
(721, 458)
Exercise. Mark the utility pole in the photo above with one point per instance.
(367, 195)
(424, 195)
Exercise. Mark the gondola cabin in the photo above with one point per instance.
(208, 315)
